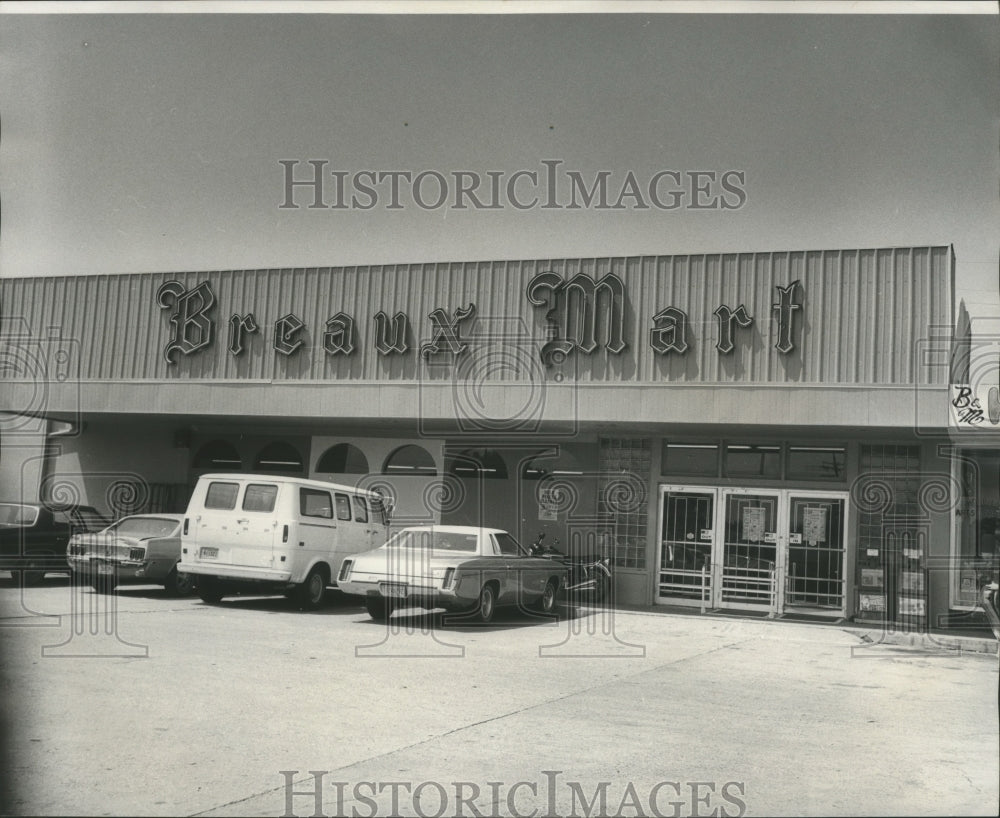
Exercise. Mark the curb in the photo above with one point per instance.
(927, 642)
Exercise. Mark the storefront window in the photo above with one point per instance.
(218, 454)
(816, 463)
(343, 459)
(410, 459)
(549, 463)
(690, 459)
(625, 467)
(279, 458)
(753, 460)
(978, 522)
(480, 463)
(891, 535)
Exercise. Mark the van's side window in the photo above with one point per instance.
(314, 503)
(360, 509)
(343, 506)
(222, 495)
(260, 497)
(378, 510)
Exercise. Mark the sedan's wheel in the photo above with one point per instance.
(310, 592)
(209, 590)
(103, 583)
(487, 603)
(379, 608)
(178, 584)
(34, 572)
(547, 602)
(19, 577)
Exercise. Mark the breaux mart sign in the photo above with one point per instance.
(574, 309)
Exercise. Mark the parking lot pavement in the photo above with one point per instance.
(141, 704)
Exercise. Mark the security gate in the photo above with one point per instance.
(814, 573)
(688, 528)
(779, 551)
(749, 550)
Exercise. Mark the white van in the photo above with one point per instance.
(270, 534)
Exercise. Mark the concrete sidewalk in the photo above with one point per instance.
(975, 637)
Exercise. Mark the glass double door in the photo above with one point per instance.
(758, 549)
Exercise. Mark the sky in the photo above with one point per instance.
(154, 142)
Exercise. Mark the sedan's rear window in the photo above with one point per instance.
(509, 547)
(146, 527)
(435, 540)
(260, 497)
(222, 495)
(87, 519)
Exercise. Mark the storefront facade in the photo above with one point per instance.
(975, 435)
(754, 431)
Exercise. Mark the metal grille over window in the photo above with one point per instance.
(892, 534)
(625, 472)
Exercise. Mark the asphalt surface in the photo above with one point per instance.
(141, 704)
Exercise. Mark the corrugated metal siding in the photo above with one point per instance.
(863, 314)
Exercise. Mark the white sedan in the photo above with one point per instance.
(459, 568)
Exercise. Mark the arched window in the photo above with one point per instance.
(218, 454)
(410, 459)
(484, 463)
(279, 458)
(548, 463)
(343, 459)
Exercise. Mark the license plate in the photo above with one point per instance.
(104, 568)
(393, 589)
(208, 553)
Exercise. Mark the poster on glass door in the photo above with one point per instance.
(814, 525)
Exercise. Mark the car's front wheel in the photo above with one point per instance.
(26, 577)
(34, 571)
(310, 593)
(379, 608)
(547, 602)
(103, 583)
(178, 584)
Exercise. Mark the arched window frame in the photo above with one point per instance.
(351, 453)
(217, 455)
(291, 461)
(427, 469)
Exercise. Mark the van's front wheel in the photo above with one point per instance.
(310, 593)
